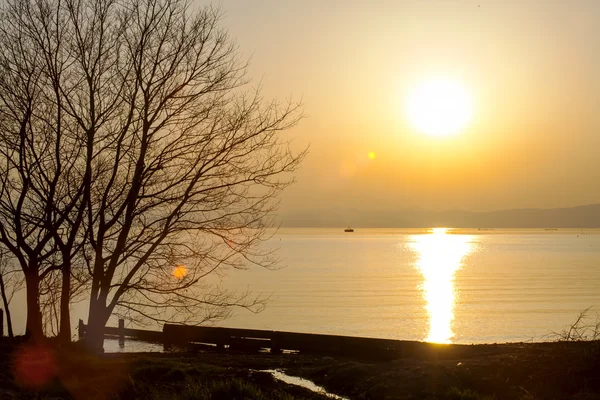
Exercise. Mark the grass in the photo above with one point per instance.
(465, 394)
(565, 369)
(229, 389)
(79, 375)
(519, 371)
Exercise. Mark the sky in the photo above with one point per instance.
(530, 67)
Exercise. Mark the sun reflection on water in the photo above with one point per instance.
(440, 255)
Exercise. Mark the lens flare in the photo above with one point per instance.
(35, 366)
(180, 272)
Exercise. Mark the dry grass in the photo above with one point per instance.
(586, 327)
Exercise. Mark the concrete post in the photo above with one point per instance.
(80, 329)
(121, 333)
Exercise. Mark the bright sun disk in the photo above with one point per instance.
(439, 107)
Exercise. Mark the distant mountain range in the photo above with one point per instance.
(587, 216)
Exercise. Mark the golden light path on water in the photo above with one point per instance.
(440, 255)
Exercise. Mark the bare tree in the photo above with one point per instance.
(132, 150)
(41, 203)
(11, 281)
(186, 166)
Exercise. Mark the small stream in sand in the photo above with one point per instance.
(132, 346)
(305, 383)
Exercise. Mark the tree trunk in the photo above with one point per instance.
(65, 311)
(94, 335)
(34, 329)
(6, 309)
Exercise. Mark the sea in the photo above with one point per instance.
(441, 285)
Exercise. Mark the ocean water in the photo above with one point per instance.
(441, 285)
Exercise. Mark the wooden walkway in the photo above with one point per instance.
(121, 332)
(252, 340)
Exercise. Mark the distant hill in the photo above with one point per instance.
(587, 216)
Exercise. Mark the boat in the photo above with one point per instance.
(348, 230)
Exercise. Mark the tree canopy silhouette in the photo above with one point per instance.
(133, 154)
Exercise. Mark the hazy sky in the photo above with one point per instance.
(531, 67)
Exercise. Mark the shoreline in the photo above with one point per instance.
(521, 371)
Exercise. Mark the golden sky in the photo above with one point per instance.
(532, 68)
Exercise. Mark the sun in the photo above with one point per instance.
(439, 107)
